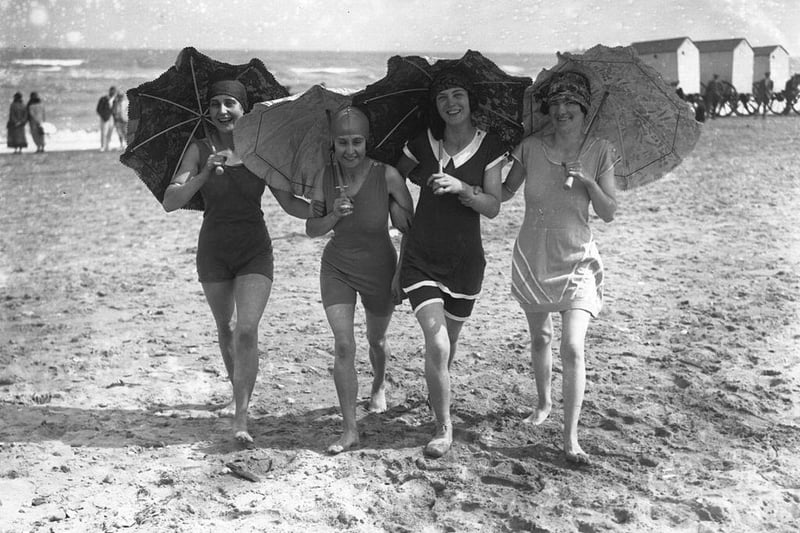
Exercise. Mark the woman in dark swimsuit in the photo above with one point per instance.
(457, 167)
(358, 260)
(234, 251)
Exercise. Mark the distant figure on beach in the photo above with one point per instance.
(234, 250)
(556, 266)
(762, 93)
(712, 96)
(104, 105)
(36, 119)
(790, 92)
(359, 260)
(457, 167)
(119, 111)
(699, 108)
(15, 127)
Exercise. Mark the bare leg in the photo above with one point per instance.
(540, 326)
(251, 293)
(574, 326)
(453, 331)
(378, 354)
(248, 295)
(220, 297)
(437, 354)
(340, 318)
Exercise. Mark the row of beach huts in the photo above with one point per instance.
(691, 64)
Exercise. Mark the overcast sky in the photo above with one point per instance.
(528, 26)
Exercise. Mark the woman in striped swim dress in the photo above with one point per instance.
(556, 266)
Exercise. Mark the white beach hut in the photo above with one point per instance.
(773, 59)
(677, 60)
(731, 59)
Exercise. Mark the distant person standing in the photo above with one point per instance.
(119, 110)
(36, 120)
(104, 105)
(17, 117)
(762, 90)
(712, 96)
(699, 108)
(790, 92)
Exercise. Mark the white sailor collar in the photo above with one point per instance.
(461, 157)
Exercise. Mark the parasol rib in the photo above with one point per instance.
(422, 70)
(397, 126)
(162, 132)
(185, 147)
(500, 115)
(165, 100)
(200, 106)
(394, 93)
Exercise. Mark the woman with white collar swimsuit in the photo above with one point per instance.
(457, 167)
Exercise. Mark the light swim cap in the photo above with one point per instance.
(349, 120)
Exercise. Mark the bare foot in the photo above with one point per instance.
(240, 432)
(377, 402)
(539, 415)
(346, 442)
(243, 437)
(441, 442)
(576, 456)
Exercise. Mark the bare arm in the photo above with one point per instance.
(485, 200)
(603, 195)
(513, 181)
(602, 191)
(293, 205)
(399, 195)
(188, 180)
(320, 222)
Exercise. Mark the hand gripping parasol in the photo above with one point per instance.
(651, 128)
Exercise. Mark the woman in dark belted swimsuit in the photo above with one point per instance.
(234, 250)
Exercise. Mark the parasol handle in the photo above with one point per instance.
(568, 181)
(218, 170)
(441, 156)
(337, 172)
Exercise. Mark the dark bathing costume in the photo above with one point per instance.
(360, 257)
(233, 239)
(443, 259)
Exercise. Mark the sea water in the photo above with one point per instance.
(70, 81)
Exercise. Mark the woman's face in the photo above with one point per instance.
(224, 111)
(453, 105)
(566, 115)
(350, 149)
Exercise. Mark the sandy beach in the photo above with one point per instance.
(109, 369)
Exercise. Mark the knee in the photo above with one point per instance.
(344, 348)
(246, 333)
(541, 340)
(377, 343)
(571, 352)
(437, 354)
(224, 329)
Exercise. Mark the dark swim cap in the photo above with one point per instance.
(233, 88)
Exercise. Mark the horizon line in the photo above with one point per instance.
(245, 49)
